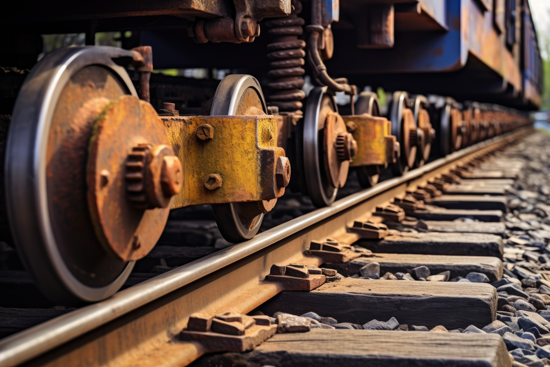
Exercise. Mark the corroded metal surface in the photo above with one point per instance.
(81, 101)
(375, 144)
(427, 137)
(243, 152)
(457, 129)
(338, 148)
(125, 231)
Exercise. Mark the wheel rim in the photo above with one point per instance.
(402, 127)
(238, 95)
(368, 103)
(320, 190)
(48, 223)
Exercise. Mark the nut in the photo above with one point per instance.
(282, 172)
(248, 28)
(346, 146)
(205, 132)
(153, 175)
(169, 106)
(168, 109)
(351, 126)
(213, 181)
(171, 176)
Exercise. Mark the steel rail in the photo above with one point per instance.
(32, 342)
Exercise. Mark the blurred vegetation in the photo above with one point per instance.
(543, 35)
(55, 41)
(544, 44)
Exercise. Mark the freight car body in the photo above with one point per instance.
(89, 160)
(481, 49)
(485, 50)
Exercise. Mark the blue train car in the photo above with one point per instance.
(481, 49)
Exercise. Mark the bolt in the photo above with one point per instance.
(351, 126)
(248, 28)
(168, 109)
(346, 146)
(169, 106)
(171, 176)
(104, 178)
(213, 181)
(282, 172)
(205, 132)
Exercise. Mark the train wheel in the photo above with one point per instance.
(425, 133)
(367, 103)
(327, 148)
(73, 226)
(404, 129)
(240, 95)
(451, 128)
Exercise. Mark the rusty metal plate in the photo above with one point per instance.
(243, 152)
(124, 231)
(374, 140)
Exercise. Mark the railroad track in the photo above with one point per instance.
(273, 272)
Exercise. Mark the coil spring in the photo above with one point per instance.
(286, 68)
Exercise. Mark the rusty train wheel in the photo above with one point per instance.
(368, 103)
(425, 132)
(46, 172)
(239, 95)
(451, 128)
(327, 148)
(404, 129)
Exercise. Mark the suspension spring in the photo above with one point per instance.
(286, 68)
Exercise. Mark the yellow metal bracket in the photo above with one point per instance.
(225, 158)
(375, 144)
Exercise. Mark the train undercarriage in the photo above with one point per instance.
(94, 158)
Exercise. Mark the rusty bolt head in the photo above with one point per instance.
(282, 172)
(213, 181)
(205, 132)
(351, 126)
(346, 146)
(248, 28)
(169, 106)
(171, 176)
